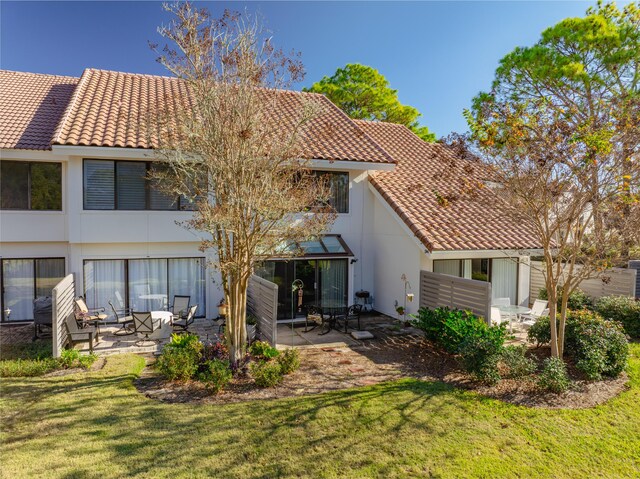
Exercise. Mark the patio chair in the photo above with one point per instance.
(496, 317)
(180, 307)
(86, 316)
(539, 306)
(313, 315)
(75, 334)
(352, 313)
(124, 319)
(144, 323)
(183, 324)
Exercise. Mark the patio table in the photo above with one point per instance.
(513, 311)
(332, 309)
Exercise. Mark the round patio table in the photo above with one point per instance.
(512, 311)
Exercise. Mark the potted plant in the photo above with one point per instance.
(400, 310)
(252, 323)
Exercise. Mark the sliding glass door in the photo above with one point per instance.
(504, 279)
(325, 283)
(144, 284)
(24, 280)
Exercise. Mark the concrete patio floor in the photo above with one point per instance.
(379, 325)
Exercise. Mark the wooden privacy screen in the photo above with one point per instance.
(262, 302)
(437, 290)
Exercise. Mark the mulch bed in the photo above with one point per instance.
(384, 359)
(97, 365)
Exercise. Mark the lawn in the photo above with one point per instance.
(96, 424)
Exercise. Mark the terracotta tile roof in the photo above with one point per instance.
(31, 106)
(108, 109)
(426, 170)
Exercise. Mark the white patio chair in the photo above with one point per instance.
(537, 310)
(496, 317)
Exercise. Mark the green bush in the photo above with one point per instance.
(449, 327)
(14, 368)
(540, 331)
(623, 309)
(266, 374)
(263, 350)
(578, 299)
(554, 376)
(42, 364)
(180, 358)
(479, 356)
(516, 363)
(215, 374)
(289, 361)
(71, 358)
(599, 347)
(177, 364)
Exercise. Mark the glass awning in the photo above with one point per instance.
(327, 245)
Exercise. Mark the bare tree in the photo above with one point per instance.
(232, 142)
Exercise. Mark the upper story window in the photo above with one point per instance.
(125, 185)
(339, 186)
(26, 185)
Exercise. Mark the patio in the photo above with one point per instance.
(386, 330)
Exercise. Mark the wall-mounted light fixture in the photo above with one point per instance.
(354, 260)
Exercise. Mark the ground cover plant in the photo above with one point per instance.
(36, 358)
(405, 428)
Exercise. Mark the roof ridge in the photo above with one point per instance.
(353, 121)
(153, 75)
(70, 106)
(4, 70)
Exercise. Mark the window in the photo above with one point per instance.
(339, 187)
(30, 186)
(144, 284)
(125, 185)
(24, 280)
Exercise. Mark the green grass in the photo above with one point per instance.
(96, 425)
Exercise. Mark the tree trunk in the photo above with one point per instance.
(236, 322)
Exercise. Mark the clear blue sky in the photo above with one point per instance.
(438, 55)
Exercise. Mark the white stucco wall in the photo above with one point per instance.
(78, 235)
(395, 253)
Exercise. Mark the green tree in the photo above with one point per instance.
(561, 128)
(364, 94)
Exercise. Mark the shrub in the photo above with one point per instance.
(540, 331)
(554, 376)
(479, 356)
(177, 364)
(215, 374)
(599, 347)
(578, 299)
(266, 374)
(14, 368)
(449, 327)
(71, 358)
(624, 309)
(289, 361)
(180, 358)
(515, 362)
(263, 350)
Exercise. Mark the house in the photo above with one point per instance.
(75, 198)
